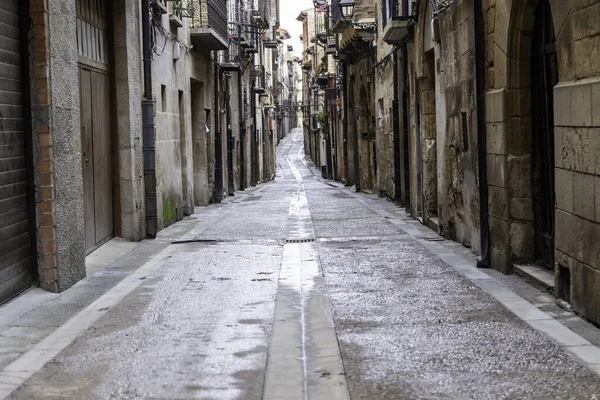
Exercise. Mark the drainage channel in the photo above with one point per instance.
(304, 359)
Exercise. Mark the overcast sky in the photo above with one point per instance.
(289, 11)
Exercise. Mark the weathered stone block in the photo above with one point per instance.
(491, 169)
(591, 249)
(564, 189)
(581, 105)
(521, 241)
(569, 234)
(562, 105)
(519, 137)
(500, 64)
(558, 147)
(580, 149)
(521, 208)
(499, 234)
(586, 22)
(583, 203)
(519, 176)
(498, 202)
(496, 140)
(596, 104)
(586, 53)
(494, 102)
(500, 261)
(501, 168)
(585, 290)
(597, 196)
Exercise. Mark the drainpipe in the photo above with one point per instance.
(254, 136)
(230, 184)
(355, 136)
(242, 131)
(396, 133)
(484, 223)
(218, 194)
(345, 144)
(148, 144)
(405, 132)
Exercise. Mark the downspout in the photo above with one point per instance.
(230, 184)
(355, 137)
(254, 137)
(148, 143)
(242, 131)
(345, 133)
(484, 224)
(396, 132)
(405, 132)
(218, 193)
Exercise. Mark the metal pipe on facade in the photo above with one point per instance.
(405, 107)
(218, 193)
(148, 139)
(484, 224)
(396, 132)
(230, 184)
(345, 125)
(242, 132)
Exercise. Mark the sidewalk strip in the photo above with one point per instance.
(579, 347)
(24, 367)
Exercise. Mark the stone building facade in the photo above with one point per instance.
(484, 115)
(101, 141)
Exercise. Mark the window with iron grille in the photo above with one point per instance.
(389, 9)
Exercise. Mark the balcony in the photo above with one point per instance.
(262, 12)
(396, 27)
(258, 79)
(229, 60)
(209, 30)
(338, 24)
(159, 6)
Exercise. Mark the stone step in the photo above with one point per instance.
(536, 275)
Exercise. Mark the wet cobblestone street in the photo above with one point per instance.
(299, 288)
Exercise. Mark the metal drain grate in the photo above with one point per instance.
(299, 240)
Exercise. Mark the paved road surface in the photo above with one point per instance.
(301, 289)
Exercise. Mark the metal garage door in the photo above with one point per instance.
(15, 263)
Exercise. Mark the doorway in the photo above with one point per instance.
(95, 85)
(544, 76)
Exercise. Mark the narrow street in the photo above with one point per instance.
(298, 288)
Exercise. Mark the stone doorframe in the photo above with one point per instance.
(508, 123)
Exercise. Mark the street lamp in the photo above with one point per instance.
(347, 7)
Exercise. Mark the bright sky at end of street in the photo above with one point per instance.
(289, 11)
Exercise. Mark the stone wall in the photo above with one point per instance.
(576, 103)
(456, 145)
(384, 96)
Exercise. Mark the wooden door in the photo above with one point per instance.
(15, 258)
(95, 99)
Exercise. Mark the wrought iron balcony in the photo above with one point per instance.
(262, 12)
(396, 26)
(258, 79)
(209, 29)
(337, 19)
(230, 59)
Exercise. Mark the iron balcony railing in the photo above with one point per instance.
(211, 13)
(262, 10)
(336, 12)
(389, 10)
(259, 76)
(231, 55)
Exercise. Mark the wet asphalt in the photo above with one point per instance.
(211, 322)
